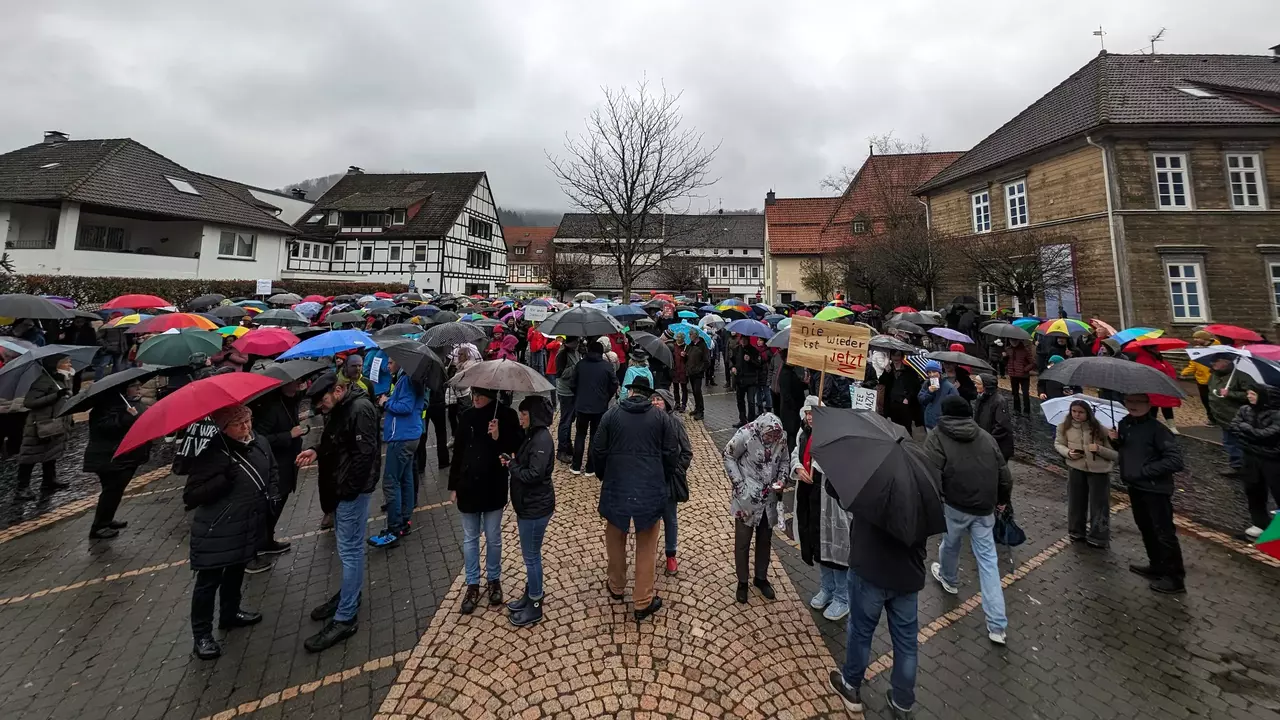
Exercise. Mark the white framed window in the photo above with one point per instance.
(293, 249)
(755, 273)
(326, 252)
(182, 186)
(419, 253)
(988, 300)
(1186, 289)
(333, 218)
(1244, 181)
(742, 271)
(1020, 311)
(101, 237)
(1171, 181)
(1016, 195)
(395, 254)
(981, 211)
(1273, 273)
(306, 250)
(397, 217)
(478, 259)
(339, 252)
(724, 271)
(711, 271)
(240, 246)
(520, 250)
(480, 228)
(859, 227)
(366, 252)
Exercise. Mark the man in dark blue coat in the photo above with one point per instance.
(593, 385)
(634, 451)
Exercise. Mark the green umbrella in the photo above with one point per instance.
(832, 313)
(176, 348)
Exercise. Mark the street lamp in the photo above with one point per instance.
(412, 266)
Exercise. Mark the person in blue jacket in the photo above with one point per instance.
(638, 367)
(401, 431)
(377, 372)
(935, 388)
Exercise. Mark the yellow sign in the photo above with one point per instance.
(829, 347)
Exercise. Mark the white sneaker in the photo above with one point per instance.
(821, 600)
(836, 611)
(1254, 532)
(937, 575)
(997, 637)
(575, 472)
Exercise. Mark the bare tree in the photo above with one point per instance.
(634, 165)
(884, 144)
(1024, 264)
(565, 271)
(821, 276)
(680, 273)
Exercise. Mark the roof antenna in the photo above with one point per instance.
(1101, 35)
(1158, 37)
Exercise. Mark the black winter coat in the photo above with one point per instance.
(899, 395)
(109, 420)
(975, 476)
(232, 487)
(991, 412)
(746, 360)
(696, 357)
(791, 394)
(274, 418)
(594, 384)
(1258, 429)
(533, 495)
(349, 453)
(633, 452)
(1149, 454)
(476, 475)
(41, 402)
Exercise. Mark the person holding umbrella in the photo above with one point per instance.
(679, 373)
(533, 497)
(566, 365)
(745, 366)
(1199, 371)
(109, 419)
(275, 419)
(401, 432)
(348, 459)
(756, 461)
(44, 435)
(232, 488)
(1227, 394)
(899, 392)
(821, 525)
(1019, 366)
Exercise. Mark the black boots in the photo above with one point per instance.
(741, 595)
(494, 590)
(471, 599)
(206, 648)
(241, 618)
(331, 634)
(654, 607)
(525, 611)
(765, 589)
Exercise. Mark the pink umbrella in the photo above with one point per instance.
(1265, 351)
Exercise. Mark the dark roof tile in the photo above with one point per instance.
(443, 197)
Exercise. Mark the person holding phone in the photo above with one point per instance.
(933, 391)
(533, 496)
(1090, 457)
(275, 419)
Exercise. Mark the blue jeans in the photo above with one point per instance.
(670, 526)
(1235, 453)
(472, 524)
(979, 529)
(531, 534)
(835, 582)
(866, 601)
(397, 483)
(349, 522)
(563, 444)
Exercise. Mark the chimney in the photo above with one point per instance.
(1275, 49)
(770, 198)
(353, 170)
(53, 137)
(298, 193)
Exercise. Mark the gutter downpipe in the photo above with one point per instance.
(1111, 230)
(928, 224)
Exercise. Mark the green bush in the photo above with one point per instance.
(98, 290)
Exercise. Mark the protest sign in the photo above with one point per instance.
(829, 347)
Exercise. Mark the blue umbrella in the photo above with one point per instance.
(427, 310)
(687, 314)
(685, 329)
(376, 304)
(707, 308)
(540, 302)
(774, 319)
(308, 309)
(627, 312)
(750, 328)
(329, 344)
(761, 309)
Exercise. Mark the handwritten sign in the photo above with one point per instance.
(861, 398)
(829, 347)
(535, 313)
(263, 287)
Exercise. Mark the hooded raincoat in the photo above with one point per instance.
(754, 466)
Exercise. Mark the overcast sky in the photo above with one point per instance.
(270, 93)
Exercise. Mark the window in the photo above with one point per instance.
(724, 271)
(366, 252)
(1195, 91)
(397, 217)
(182, 186)
(981, 211)
(293, 249)
(306, 250)
(742, 271)
(744, 251)
(1186, 290)
(239, 245)
(339, 252)
(478, 259)
(1274, 270)
(520, 250)
(1171, 182)
(316, 218)
(48, 166)
(326, 251)
(333, 218)
(100, 237)
(988, 300)
(1244, 179)
(1016, 194)
(419, 253)
(859, 227)
(711, 272)
(395, 254)
(479, 228)
(755, 273)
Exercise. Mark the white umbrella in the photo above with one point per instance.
(584, 296)
(1243, 359)
(1108, 413)
(712, 319)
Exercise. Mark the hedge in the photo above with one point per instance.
(98, 290)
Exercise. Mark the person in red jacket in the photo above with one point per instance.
(553, 349)
(537, 343)
(1021, 363)
(1164, 404)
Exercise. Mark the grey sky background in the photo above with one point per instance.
(270, 93)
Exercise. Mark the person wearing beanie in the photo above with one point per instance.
(638, 367)
(933, 391)
(1200, 371)
(233, 489)
(593, 384)
(533, 497)
(677, 481)
(976, 482)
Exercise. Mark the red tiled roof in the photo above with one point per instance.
(532, 239)
(795, 224)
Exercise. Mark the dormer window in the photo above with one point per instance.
(520, 250)
(333, 218)
(316, 218)
(859, 227)
(397, 217)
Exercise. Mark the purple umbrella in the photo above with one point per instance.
(952, 335)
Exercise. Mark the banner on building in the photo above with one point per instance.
(829, 347)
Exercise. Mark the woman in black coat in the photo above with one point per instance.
(275, 419)
(232, 488)
(534, 498)
(44, 436)
(1257, 425)
(109, 420)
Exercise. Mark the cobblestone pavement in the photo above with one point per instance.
(100, 629)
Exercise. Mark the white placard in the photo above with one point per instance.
(375, 368)
(264, 288)
(535, 313)
(862, 398)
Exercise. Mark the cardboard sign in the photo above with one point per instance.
(263, 288)
(829, 347)
(535, 313)
(862, 398)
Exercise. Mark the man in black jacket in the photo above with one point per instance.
(593, 384)
(899, 391)
(349, 457)
(275, 418)
(746, 376)
(1149, 456)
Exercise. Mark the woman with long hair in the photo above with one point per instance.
(1089, 454)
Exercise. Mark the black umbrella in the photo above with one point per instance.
(959, 358)
(733, 314)
(229, 312)
(284, 299)
(451, 334)
(294, 370)
(281, 317)
(653, 345)
(502, 375)
(205, 301)
(917, 318)
(445, 316)
(397, 331)
(1115, 374)
(968, 301)
(30, 306)
(904, 326)
(418, 361)
(17, 375)
(878, 473)
(112, 383)
(1004, 330)
(306, 332)
(580, 321)
(342, 318)
(889, 342)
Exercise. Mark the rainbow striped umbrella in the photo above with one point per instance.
(1064, 326)
(1027, 323)
(1139, 333)
(1269, 541)
(232, 330)
(133, 319)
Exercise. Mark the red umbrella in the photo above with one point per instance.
(384, 295)
(664, 296)
(1160, 344)
(1234, 332)
(316, 299)
(266, 341)
(192, 402)
(136, 301)
(803, 313)
(161, 323)
(904, 308)
(859, 308)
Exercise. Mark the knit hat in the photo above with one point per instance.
(956, 347)
(933, 366)
(1055, 359)
(228, 416)
(956, 406)
(1202, 335)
